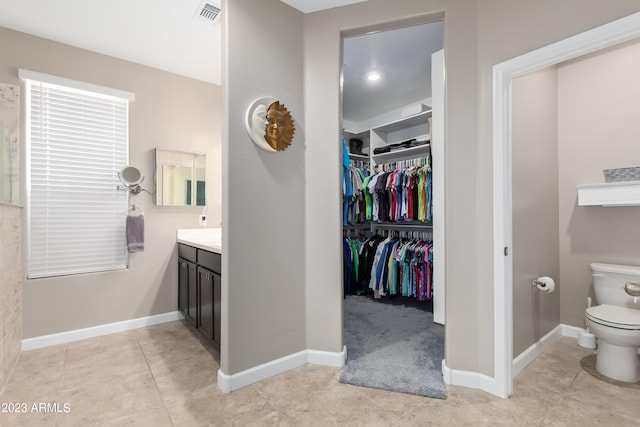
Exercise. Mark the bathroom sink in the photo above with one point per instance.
(209, 239)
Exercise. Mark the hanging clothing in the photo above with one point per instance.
(354, 204)
(388, 266)
(352, 269)
(347, 187)
(366, 256)
(396, 192)
(401, 194)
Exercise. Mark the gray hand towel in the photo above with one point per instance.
(135, 233)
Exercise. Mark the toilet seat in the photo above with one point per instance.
(614, 317)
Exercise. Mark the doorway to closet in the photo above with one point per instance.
(393, 208)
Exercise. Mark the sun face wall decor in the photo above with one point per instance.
(269, 124)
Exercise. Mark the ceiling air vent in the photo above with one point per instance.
(208, 11)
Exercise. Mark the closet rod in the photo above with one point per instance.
(358, 226)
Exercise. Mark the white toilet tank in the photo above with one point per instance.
(609, 281)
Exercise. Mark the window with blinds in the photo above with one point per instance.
(77, 142)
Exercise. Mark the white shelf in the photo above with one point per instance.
(402, 153)
(406, 129)
(359, 156)
(364, 136)
(351, 134)
(609, 194)
(418, 119)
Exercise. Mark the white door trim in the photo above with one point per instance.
(438, 77)
(607, 35)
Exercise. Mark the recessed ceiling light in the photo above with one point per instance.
(373, 76)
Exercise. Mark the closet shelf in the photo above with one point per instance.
(355, 134)
(358, 156)
(609, 194)
(402, 153)
(404, 123)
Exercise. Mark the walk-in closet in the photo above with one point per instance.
(393, 201)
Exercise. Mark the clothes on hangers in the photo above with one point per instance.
(388, 266)
(399, 192)
(354, 201)
(403, 267)
(358, 252)
(352, 247)
(347, 187)
(396, 192)
(351, 261)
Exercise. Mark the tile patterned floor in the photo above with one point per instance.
(165, 375)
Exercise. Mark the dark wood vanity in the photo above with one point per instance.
(199, 284)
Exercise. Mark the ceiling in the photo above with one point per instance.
(308, 6)
(158, 33)
(403, 59)
(136, 31)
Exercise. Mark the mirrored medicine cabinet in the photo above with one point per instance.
(180, 178)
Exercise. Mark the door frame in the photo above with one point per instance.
(613, 33)
(438, 122)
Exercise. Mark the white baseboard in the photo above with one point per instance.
(470, 379)
(97, 331)
(229, 383)
(489, 384)
(529, 355)
(327, 358)
(523, 359)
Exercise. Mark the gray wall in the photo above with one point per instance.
(535, 205)
(170, 111)
(10, 289)
(598, 105)
(263, 285)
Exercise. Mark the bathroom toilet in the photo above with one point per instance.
(616, 320)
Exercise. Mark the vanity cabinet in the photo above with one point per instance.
(199, 278)
(187, 283)
(209, 312)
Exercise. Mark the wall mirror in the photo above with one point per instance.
(180, 178)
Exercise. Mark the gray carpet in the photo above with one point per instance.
(392, 347)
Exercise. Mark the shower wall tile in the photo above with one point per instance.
(10, 289)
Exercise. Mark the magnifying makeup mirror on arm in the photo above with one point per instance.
(131, 178)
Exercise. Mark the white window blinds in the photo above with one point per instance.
(77, 141)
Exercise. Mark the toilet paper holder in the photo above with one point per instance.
(544, 283)
(538, 282)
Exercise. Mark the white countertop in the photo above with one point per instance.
(209, 239)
